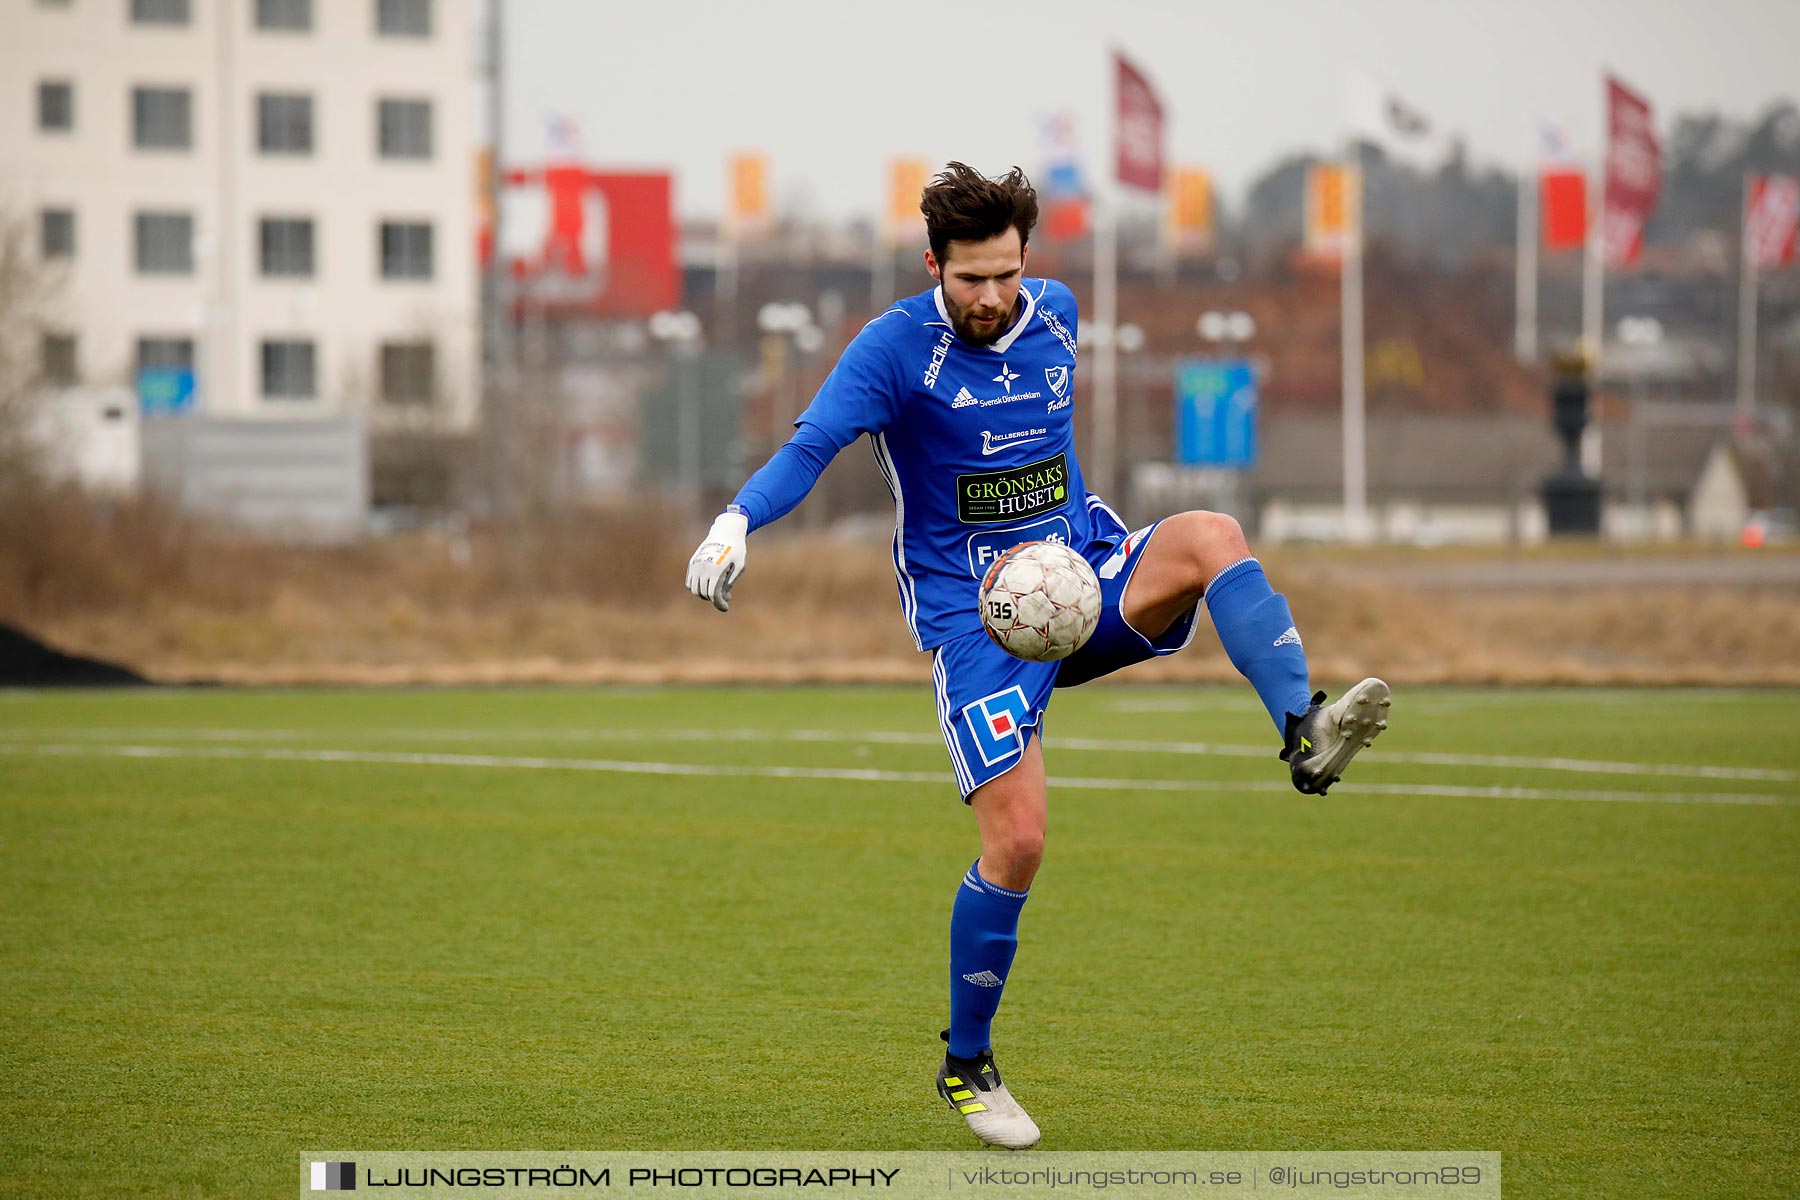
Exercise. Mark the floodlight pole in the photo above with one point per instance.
(221, 325)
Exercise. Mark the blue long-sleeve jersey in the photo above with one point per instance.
(977, 444)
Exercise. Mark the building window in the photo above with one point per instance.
(287, 247)
(56, 229)
(159, 12)
(165, 354)
(59, 366)
(288, 370)
(284, 123)
(294, 16)
(403, 18)
(403, 128)
(56, 106)
(162, 118)
(165, 243)
(405, 250)
(408, 372)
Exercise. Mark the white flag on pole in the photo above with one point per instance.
(1402, 131)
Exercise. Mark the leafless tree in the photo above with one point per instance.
(27, 293)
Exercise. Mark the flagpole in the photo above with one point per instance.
(1593, 290)
(1356, 490)
(1168, 241)
(1593, 317)
(1746, 372)
(1106, 312)
(1525, 259)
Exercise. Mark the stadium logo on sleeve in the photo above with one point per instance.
(995, 722)
(334, 1177)
(1058, 379)
(939, 352)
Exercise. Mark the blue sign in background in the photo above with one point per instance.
(165, 390)
(1215, 413)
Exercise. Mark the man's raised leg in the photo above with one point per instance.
(1203, 555)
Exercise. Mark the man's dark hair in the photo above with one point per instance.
(963, 205)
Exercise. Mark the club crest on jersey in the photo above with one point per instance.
(1058, 379)
(995, 724)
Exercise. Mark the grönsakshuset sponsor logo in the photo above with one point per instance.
(1012, 493)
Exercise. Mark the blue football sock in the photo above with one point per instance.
(1258, 633)
(984, 935)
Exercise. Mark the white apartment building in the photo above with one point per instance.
(277, 195)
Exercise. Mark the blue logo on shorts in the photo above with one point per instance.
(994, 723)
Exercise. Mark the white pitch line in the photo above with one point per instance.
(903, 738)
(1515, 762)
(848, 774)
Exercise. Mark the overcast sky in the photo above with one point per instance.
(831, 89)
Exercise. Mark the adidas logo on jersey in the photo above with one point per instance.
(964, 399)
(1290, 638)
(984, 979)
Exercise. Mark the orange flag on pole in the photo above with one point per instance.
(1191, 206)
(1330, 209)
(906, 183)
(749, 192)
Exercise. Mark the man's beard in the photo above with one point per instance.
(968, 331)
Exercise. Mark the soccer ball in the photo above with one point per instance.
(1040, 601)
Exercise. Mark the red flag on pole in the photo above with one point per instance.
(1562, 194)
(1562, 190)
(1139, 128)
(1633, 174)
(1772, 220)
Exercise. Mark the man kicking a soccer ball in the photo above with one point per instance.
(966, 394)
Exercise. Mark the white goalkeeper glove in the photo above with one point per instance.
(719, 562)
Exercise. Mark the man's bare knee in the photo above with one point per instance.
(1213, 541)
(1011, 813)
(1014, 855)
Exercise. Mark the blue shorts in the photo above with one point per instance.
(988, 702)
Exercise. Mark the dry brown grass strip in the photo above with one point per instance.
(584, 598)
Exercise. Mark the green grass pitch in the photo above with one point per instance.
(236, 925)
